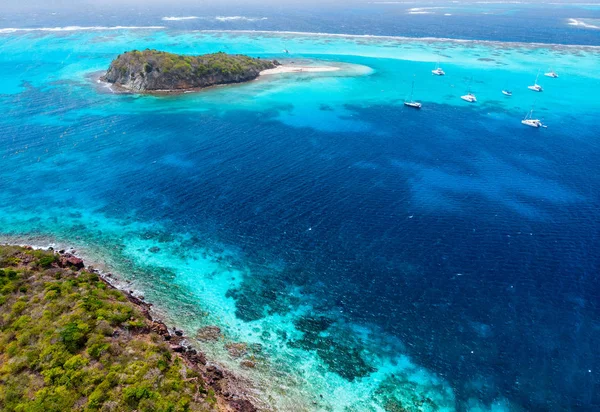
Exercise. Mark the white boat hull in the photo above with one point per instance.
(469, 98)
(532, 122)
(415, 105)
(535, 88)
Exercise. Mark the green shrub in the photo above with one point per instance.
(74, 335)
(47, 260)
(134, 394)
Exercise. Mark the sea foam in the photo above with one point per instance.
(239, 18)
(585, 24)
(173, 18)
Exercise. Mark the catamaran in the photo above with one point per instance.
(506, 92)
(530, 121)
(536, 87)
(438, 70)
(469, 97)
(411, 102)
(551, 73)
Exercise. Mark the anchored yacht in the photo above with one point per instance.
(469, 97)
(438, 70)
(507, 93)
(551, 73)
(531, 122)
(536, 87)
(411, 102)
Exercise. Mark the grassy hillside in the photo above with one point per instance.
(69, 342)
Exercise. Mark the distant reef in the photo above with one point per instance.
(158, 71)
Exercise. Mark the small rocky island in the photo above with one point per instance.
(157, 71)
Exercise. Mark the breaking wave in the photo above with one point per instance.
(173, 18)
(585, 24)
(238, 18)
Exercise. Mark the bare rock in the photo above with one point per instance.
(209, 333)
(160, 328)
(248, 364)
(237, 349)
(242, 405)
(177, 348)
(71, 261)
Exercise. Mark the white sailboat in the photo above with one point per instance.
(536, 87)
(551, 73)
(411, 102)
(469, 97)
(531, 122)
(438, 70)
(506, 92)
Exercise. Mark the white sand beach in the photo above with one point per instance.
(298, 69)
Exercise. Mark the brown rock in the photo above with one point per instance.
(198, 358)
(237, 349)
(160, 328)
(71, 261)
(177, 348)
(242, 405)
(209, 333)
(213, 374)
(247, 364)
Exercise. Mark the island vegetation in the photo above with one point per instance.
(69, 341)
(153, 70)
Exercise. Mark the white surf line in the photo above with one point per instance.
(77, 28)
(238, 18)
(581, 23)
(173, 18)
(397, 38)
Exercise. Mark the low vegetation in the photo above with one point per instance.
(70, 342)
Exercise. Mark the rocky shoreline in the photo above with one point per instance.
(230, 390)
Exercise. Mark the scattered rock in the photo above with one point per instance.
(71, 261)
(213, 374)
(198, 358)
(178, 332)
(247, 364)
(154, 249)
(236, 349)
(209, 333)
(160, 328)
(177, 348)
(242, 405)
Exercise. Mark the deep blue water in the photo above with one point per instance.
(470, 239)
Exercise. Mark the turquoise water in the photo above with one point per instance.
(372, 257)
